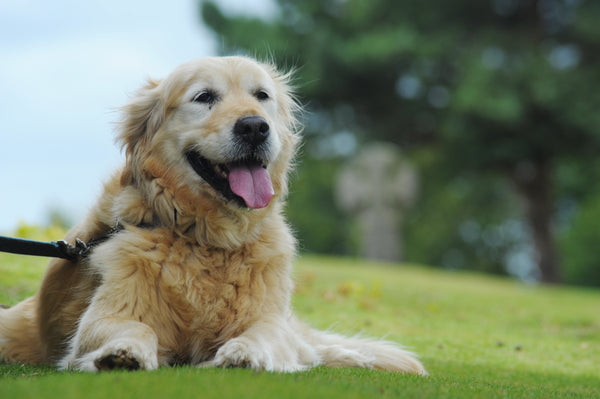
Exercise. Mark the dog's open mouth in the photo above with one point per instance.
(246, 181)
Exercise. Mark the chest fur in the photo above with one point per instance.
(195, 298)
(214, 293)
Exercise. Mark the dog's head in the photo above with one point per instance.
(220, 130)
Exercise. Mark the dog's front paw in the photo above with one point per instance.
(126, 355)
(239, 352)
(130, 355)
(122, 359)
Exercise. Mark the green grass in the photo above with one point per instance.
(478, 336)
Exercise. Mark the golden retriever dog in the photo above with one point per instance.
(190, 257)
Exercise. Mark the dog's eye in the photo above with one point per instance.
(205, 97)
(261, 95)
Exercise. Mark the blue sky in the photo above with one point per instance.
(65, 66)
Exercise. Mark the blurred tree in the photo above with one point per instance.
(580, 245)
(509, 87)
(466, 221)
(311, 208)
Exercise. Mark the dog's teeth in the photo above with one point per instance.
(219, 170)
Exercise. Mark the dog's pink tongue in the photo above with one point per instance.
(252, 183)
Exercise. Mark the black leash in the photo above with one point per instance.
(54, 249)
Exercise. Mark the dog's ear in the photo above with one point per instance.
(141, 117)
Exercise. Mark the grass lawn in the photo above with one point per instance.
(478, 336)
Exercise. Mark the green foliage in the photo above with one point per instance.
(474, 334)
(580, 245)
(51, 232)
(452, 226)
(311, 204)
(20, 275)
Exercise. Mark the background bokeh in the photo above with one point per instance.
(490, 111)
(494, 103)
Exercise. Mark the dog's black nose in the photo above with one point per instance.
(252, 129)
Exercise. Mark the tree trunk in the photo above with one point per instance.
(534, 183)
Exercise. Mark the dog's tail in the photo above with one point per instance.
(19, 333)
(337, 350)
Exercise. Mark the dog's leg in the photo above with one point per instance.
(19, 333)
(270, 344)
(106, 342)
(287, 345)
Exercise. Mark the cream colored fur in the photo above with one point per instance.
(192, 278)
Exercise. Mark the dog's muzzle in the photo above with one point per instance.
(245, 179)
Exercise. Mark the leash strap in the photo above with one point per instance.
(54, 249)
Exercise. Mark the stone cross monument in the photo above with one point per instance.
(377, 187)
